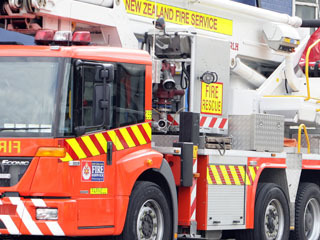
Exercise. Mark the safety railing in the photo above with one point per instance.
(308, 97)
(299, 137)
(307, 68)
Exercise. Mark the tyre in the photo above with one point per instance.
(271, 218)
(307, 212)
(148, 215)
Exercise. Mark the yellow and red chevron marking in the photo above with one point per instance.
(96, 144)
(231, 174)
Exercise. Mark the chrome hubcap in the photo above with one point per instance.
(274, 220)
(312, 219)
(150, 224)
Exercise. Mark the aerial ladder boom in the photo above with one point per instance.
(265, 46)
(262, 56)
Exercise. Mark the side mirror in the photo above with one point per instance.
(101, 104)
(102, 94)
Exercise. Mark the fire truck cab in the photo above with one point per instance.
(51, 93)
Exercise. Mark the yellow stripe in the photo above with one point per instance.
(76, 148)
(138, 135)
(216, 174)
(127, 137)
(115, 140)
(244, 175)
(252, 172)
(248, 180)
(225, 174)
(208, 177)
(234, 175)
(67, 158)
(90, 145)
(103, 142)
(147, 128)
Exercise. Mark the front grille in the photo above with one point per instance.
(12, 169)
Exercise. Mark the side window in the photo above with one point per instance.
(87, 101)
(66, 117)
(84, 82)
(129, 94)
(126, 93)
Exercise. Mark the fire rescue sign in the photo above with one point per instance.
(92, 171)
(211, 98)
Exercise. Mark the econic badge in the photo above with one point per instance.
(211, 98)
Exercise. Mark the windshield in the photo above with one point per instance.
(28, 94)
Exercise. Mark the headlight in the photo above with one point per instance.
(47, 214)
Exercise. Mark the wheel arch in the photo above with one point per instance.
(277, 176)
(267, 175)
(134, 167)
(311, 176)
(163, 177)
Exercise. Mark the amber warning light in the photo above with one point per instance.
(64, 38)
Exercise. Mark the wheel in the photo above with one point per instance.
(271, 218)
(307, 212)
(148, 216)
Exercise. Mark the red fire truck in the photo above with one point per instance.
(198, 137)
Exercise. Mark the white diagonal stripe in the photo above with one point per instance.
(193, 194)
(207, 122)
(195, 166)
(226, 125)
(193, 199)
(217, 123)
(38, 202)
(25, 216)
(55, 228)
(11, 227)
(193, 217)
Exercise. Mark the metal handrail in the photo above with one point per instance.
(299, 137)
(292, 96)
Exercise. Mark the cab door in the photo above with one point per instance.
(92, 90)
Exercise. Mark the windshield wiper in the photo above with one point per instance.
(26, 128)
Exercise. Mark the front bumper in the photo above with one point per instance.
(18, 217)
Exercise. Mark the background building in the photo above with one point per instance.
(306, 9)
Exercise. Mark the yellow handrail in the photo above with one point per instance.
(307, 67)
(293, 96)
(299, 137)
